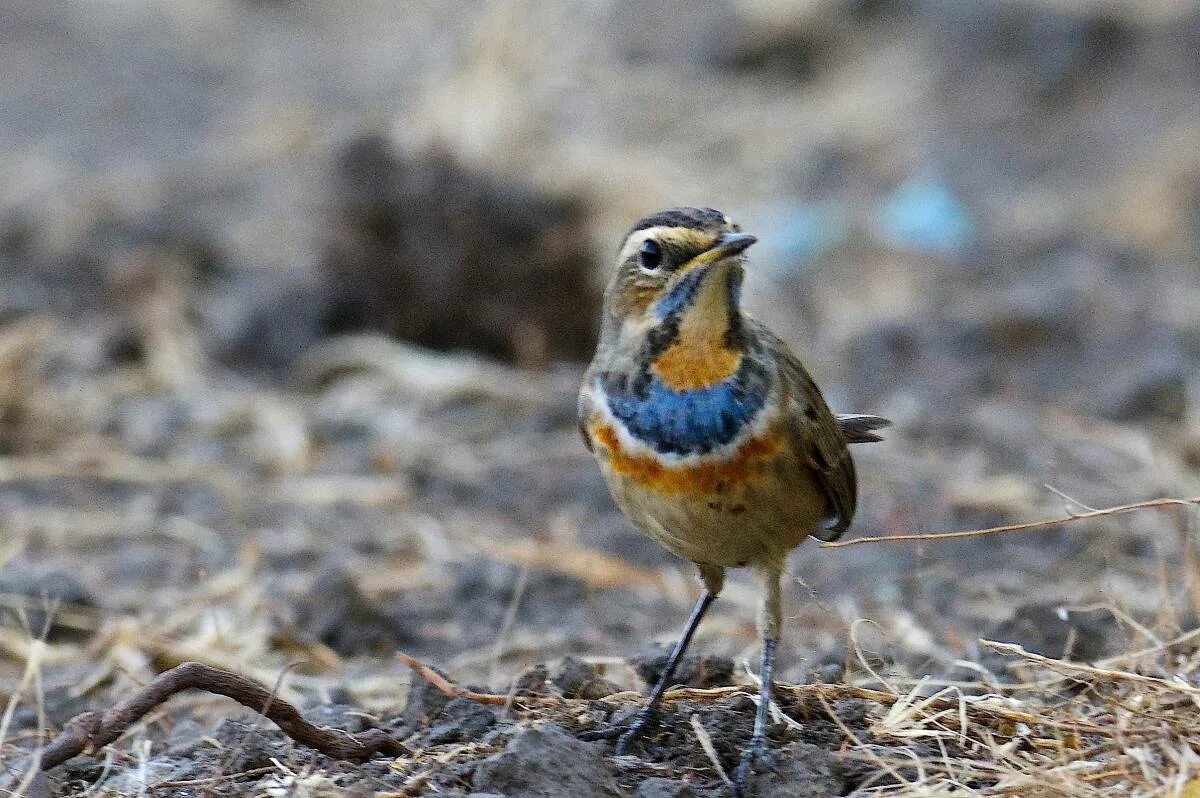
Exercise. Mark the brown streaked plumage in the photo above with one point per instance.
(713, 438)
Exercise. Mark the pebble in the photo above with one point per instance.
(546, 762)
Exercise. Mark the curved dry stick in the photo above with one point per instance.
(447, 687)
(972, 533)
(89, 731)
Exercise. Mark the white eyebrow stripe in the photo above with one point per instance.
(636, 238)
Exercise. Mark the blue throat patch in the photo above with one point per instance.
(692, 421)
(681, 295)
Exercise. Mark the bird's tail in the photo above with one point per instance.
(859, 428)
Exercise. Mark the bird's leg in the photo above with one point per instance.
(769, 622)
(714, 579)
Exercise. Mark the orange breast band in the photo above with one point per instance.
(684, 367)
(650, 471)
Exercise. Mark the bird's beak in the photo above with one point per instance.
(728, 245)
(732, 244)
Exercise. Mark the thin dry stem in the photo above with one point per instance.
(449, 688)
(996, 530)
(1066, 666)
(710, 750)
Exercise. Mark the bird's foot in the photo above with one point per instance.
(755, 754)
(635, 729)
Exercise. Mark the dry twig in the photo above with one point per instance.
(1068, 667)
(89, 731)
(451, 689)
(710, 750)
(995, 530)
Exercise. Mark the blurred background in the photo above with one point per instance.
(294, 298)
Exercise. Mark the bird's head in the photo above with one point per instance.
(675, 296)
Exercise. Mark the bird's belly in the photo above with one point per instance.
(756, 521)
(751, 506)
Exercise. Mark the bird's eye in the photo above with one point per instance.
(651, 255)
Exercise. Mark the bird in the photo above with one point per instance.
(711, 435)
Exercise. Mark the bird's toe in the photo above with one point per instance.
(756, 758)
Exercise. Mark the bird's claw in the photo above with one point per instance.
(755, 754)
(640, 721)
(596, 735)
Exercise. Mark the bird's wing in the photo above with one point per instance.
(817, 438)
(584, 406)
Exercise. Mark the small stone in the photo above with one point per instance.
(340, 616)
(337, 716)
(260, 733)
(664, 788)
(460, 721)
(532, 680)
(831, 673)
(546, 762)
(853, 712)
(425, 702)
(43, 593)
(624, 714)
(579, 679)
(693, 670)
(800, 770)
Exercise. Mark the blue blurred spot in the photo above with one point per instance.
(796, 233)
(925, 214)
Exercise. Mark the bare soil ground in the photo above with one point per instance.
(980, 221)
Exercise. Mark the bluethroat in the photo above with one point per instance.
(713, 438)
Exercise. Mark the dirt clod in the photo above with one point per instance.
(579, 679)
(424, 704)
(546, 762)
(800, 770)
(336, 613)
(40, 601)
(460, 721)
(428, 250)
(695, 670)
(1058, 631)
(665, 788)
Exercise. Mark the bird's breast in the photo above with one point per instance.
(681, 422)
(745, 461)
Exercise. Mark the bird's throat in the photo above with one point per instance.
(702, 351)
(697, 360)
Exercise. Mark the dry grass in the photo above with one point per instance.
(1089, 732)
(1072, 730)
(1120, 727)
(1124, 727)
